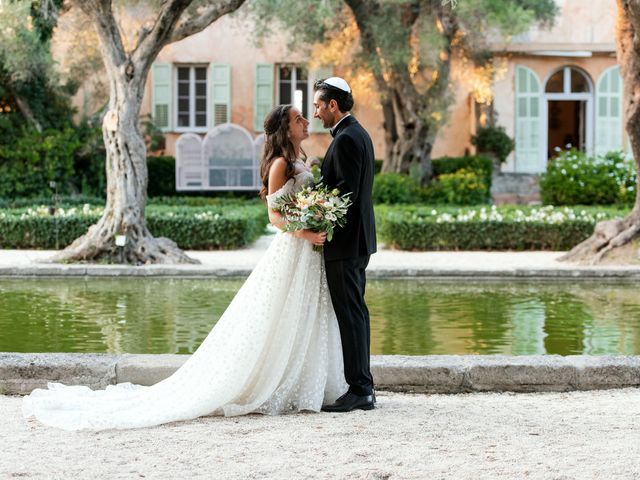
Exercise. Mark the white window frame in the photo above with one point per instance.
(567, 95)
(294, 80)
(192, 98)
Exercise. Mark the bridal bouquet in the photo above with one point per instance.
(314, 208)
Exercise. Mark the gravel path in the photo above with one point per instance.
(577, 435)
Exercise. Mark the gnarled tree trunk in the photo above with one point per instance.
(409, 129)
(126, 165)
(124, 213)
(615, 241)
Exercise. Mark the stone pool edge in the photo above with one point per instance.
(20, 373)
(198, 271)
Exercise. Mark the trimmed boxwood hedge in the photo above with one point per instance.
(190, 227)
(419, 228)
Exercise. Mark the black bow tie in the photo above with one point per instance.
(332, 131)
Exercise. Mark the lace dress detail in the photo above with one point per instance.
(276, 349)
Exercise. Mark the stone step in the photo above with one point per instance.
(20, 373)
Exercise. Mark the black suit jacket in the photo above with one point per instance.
(349, 166)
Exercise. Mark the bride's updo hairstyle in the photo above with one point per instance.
(277, 144)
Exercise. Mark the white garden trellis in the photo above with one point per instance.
(226, 159)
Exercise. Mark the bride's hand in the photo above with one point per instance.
(315, 238)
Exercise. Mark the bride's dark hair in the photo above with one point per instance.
(277, 144)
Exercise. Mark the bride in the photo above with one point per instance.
(276, 348)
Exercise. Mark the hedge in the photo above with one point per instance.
(510, 228)
(191, 228)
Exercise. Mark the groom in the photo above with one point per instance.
(349, 166)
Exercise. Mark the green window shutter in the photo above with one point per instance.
(528, 129)
(220, 94)
(161, 95)
(263, 99)
(609, 111)
(320, 73)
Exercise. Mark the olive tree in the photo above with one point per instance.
(126, 70)
(408, 46)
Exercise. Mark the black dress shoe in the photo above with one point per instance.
(349, 402)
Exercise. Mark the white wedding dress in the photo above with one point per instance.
(276, 349)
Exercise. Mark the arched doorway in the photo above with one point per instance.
(568, 104)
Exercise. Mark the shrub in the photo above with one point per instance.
(458, 180)
(510, 228)
(493, 140)
(162, 176)
(481, 165)
(190, 228)
(90, 176)
(573, 178)
(463, 187)
(34, 159)
(395, 188)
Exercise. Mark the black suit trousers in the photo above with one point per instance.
(346, 279)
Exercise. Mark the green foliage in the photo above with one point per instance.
(35, 159)
(573, 178)
(507, 228)
(162, 176)
(38, 140)
(402, 36)
(510, 17)
(73, 157)
(481, 165)
(90, 176)
(493, 140)
(458, 180)
(191, 228)
(464, 187)
(395, 188)
(22, 51)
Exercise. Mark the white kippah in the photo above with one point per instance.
(338, 83)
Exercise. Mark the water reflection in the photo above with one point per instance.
(413, 317)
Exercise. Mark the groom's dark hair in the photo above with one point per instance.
(329, 92)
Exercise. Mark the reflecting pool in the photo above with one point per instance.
(408, 316)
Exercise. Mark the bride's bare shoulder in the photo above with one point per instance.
(277, 174)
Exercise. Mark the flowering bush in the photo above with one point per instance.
(573, 178)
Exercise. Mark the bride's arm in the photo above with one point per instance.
(277, 179)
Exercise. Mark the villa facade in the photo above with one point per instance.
(559, 86)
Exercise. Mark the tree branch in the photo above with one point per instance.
(151, 41)
(101, 15)
(191, 26)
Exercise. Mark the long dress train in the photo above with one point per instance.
(275, 349)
